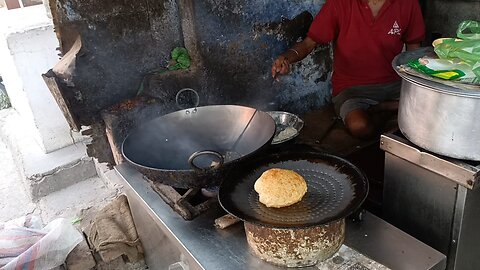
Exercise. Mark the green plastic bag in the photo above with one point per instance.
(450, 75)
(467, 49)
(469, 30)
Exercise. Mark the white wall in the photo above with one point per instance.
(28, 48)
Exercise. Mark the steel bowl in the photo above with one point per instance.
(288, 126)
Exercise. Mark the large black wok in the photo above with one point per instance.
(197, 147)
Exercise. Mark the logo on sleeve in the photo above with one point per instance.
(396, 30)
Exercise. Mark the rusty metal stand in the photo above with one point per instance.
(182, 204)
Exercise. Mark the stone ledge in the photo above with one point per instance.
(43, 173)
(110, 177)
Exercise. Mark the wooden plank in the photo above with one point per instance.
(52, 83)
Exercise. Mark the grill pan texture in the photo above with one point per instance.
(336, 189)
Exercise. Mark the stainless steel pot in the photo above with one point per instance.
(436, 117)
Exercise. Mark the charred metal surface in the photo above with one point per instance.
(183, 204)
(185, 179)
(295, 247)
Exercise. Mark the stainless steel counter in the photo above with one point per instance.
(433, 198)
(166, 237)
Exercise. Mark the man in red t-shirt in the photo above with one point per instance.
(367, 35)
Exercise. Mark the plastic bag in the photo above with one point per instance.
(469, 30)
(467, 48)
(452, 70)
(25, 246)
(445, 74)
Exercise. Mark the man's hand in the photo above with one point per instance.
(281, 66)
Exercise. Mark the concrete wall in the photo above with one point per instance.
(236, 42)
(121, 42)
(28, 47)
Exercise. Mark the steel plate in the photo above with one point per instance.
(283, 122)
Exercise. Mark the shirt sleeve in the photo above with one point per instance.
(324, 27)
(416, 27)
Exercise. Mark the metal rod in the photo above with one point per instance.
(243, 132)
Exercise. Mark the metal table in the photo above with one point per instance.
(167, 238)
(433, 198)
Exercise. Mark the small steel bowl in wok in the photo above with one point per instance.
(288, 126)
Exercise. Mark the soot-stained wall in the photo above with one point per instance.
(121, 41)
(235, 45)
(442, 17)
(238, 41)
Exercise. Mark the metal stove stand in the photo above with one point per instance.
(433, 198)
(168, 239)
(184, 204)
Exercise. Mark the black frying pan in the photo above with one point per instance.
(336, 189)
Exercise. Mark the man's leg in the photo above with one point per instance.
(365, 109)
(391, 105)
(360, 124)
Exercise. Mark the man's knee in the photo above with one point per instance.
(359, 125)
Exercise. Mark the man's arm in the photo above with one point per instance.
(298, 52)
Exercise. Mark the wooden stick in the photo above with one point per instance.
(226, 221)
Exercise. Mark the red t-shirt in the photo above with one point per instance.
(365, 46)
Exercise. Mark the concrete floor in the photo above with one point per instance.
(68, 203)
(79, 201)
(15, 202)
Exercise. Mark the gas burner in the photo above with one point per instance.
(188, 203)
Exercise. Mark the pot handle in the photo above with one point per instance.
(192, 158)
(197, 102)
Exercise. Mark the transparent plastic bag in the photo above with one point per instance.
(466, 48)
(469, 30)
(27, 247)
